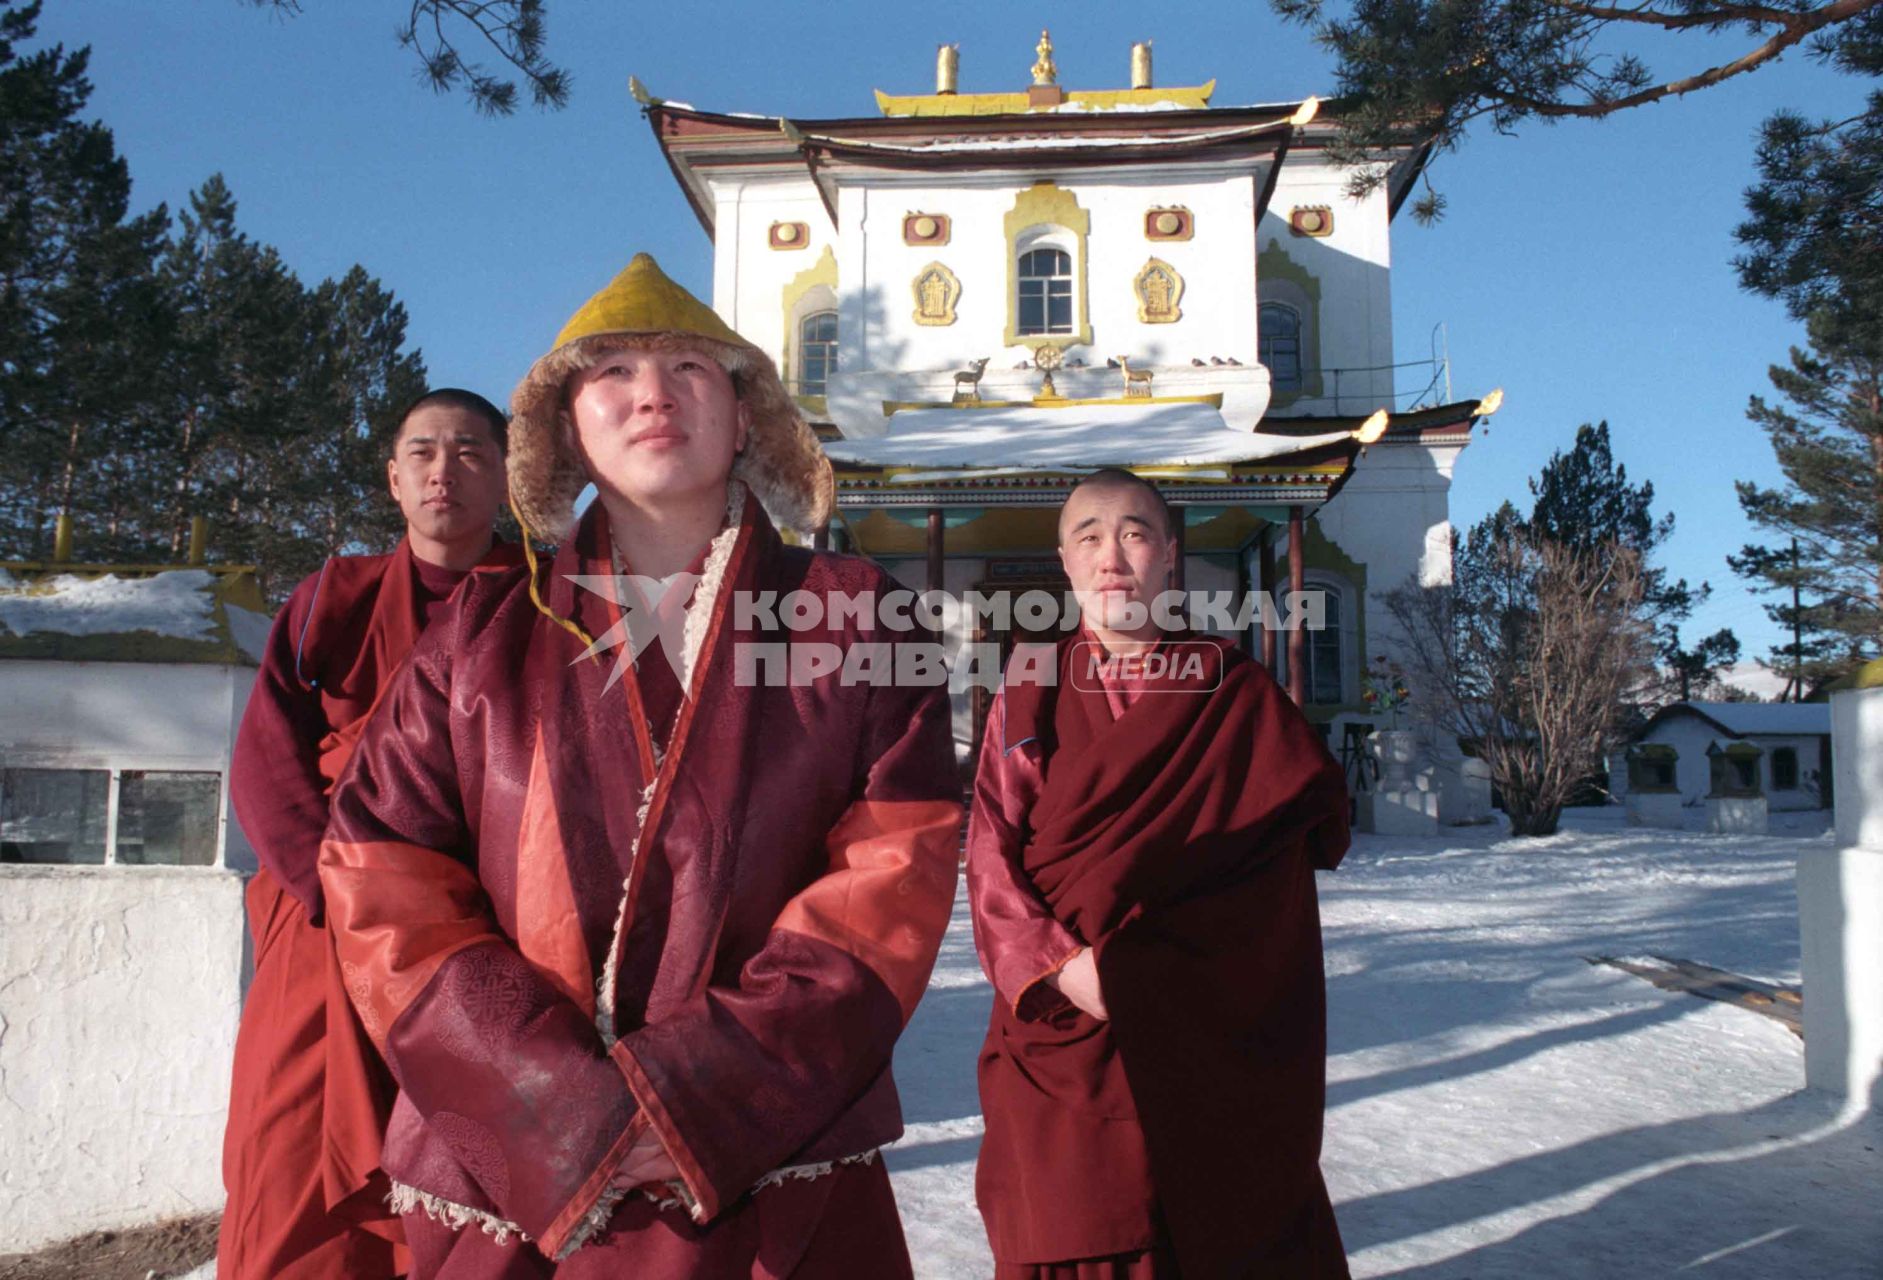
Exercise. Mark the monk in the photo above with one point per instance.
(308, 1102)
(1148, 815)
(635, 924)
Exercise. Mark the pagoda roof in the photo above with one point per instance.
(1079, 133)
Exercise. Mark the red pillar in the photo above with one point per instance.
(1177, 523)
(1297, 582)
(1265, 566)
(935, 582)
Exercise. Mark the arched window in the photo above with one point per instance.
(1326, 651)
(1045, 292)
(1279, 330)
(817, 352)
(1324, 656)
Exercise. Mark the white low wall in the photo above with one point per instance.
(1840, 912)
(120, 988)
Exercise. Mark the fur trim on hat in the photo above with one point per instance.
(782, 460)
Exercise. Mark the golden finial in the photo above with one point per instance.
(1044, 72)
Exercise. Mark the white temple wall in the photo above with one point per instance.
(1352, 266)
(1393, 516)
(876, 270)
(749, 276)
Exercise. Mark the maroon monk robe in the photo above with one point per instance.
(309, 1097)
(1179, 840)
(563, 938)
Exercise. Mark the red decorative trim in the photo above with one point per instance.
(593, 1187)
(661, 1121)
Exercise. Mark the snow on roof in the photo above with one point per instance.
(40, 616)
(180, 604)
(1073, 438)
(1748, 719)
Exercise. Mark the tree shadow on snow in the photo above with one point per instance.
(1781, 1189)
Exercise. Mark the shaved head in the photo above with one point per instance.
(1113, 479)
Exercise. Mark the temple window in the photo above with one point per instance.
(1328, 652)
(1279, 327)
(817, 352)
(1045, 292)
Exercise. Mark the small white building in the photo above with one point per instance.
(123, 944)
(1795, 737)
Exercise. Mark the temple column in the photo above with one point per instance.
(1179, 518)
(935, 574)
(1265, 583)
(1297, 583)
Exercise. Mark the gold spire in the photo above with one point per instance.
(1044, 72)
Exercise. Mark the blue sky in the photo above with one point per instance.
(1585, 268)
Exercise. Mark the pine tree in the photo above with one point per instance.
(1828, 515)
(1418, 73)
(80, 317)
(1584, 500)
(1813, 242)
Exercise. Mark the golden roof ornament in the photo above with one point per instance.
(1044, 72)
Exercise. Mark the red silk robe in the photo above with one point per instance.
(562, 935)
(1176, 832)
(308, 1096)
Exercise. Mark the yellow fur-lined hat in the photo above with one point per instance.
(782, 462)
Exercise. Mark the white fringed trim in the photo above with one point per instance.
(404, 1199)
(683, 1199)
(699, 614)
(593, 1221)
(712, 581)
(805, 1172)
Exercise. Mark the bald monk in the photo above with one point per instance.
(1148, 815)
(308, 1101)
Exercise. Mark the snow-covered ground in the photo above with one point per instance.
(1497, 1107)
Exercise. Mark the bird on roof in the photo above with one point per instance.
(1195, 361)
(1024, 364)
(1234, 361)
(1110, 362)
(1218, 360)
(1075, 363)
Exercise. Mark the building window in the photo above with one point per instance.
(111, 817)
(1045, 297)
(167, 819)
(1324, 651)
(54, 815)
(1279, 327)
(1785, 769)
(817, 352)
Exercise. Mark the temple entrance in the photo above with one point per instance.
(1015, 576)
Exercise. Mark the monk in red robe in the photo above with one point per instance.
(309, 1098)
(1148, 815)
(636, 924)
